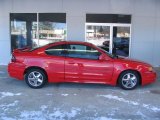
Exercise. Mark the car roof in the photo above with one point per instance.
(62, 42)
(69, 42)
(72, 42)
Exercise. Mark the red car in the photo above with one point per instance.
(80, 62)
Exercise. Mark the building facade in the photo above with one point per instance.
(129, 28)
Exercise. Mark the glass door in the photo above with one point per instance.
(99, 35)
(121, 40)
(112, 37)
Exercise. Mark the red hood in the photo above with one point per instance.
(128, 60)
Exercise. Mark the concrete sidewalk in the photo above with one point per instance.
(68, 101)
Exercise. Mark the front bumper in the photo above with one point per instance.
(149, 77)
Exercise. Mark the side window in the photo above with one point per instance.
(55, 50)
(82, 51)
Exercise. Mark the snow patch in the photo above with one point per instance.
(8, 94)
(105, 118)
(119, 99)
(32, 115)
(141, 114)
(7, 118)
(150, 107)
(43, 115)
(43, 107)
(147, 106)
(65, 95)
(58, 114)
(6, 107)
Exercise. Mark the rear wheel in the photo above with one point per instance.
(35, 78)
(129, 80)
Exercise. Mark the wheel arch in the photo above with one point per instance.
(140, 82)
(35, 67)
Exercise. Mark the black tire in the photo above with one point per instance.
(35, 78)
(124, 80)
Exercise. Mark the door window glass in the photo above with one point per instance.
(55, 50)
(82, 51)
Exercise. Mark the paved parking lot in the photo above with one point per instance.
(68, 101)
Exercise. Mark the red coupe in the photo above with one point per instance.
(80, 62)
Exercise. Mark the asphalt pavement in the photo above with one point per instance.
(70, 101)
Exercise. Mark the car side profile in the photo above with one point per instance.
(79, 62)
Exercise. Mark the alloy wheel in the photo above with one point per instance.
(35, 78)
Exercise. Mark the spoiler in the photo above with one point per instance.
(21, 49)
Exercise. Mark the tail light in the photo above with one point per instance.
(13, 59)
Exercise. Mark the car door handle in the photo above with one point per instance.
(71, 63)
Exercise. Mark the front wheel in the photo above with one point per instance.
(129, 80)
(35, 78)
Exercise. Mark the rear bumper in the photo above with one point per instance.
(149, 77)
(16, 70)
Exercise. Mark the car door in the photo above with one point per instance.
(82, 64)
(55, 58)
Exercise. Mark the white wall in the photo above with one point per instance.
(145, 21)
(5, 7)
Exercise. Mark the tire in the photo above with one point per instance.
(129, 80)
(35, 78)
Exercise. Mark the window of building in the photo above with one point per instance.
(22, 25)
(37, 29)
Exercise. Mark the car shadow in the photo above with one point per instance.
(81, 86)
